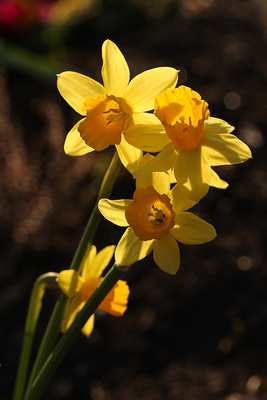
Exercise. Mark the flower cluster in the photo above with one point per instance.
(187, 141)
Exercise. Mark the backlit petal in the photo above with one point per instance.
(93, 268)
(172, 176)
(131, 249)
(72, 308)
(166, 254)
(216, 181)
(70, 282)
(214, 126)
(159, 180)
(129, 155)
(115, 70)
(224, 149)
(89, 326)
(114, 210)
(193, 173)
(145, 118)
(90, 257)
(74, 145)
(162, 162)
(75, 88)
(147, 133)
(190, 229)
(143, 88)
(179, 200)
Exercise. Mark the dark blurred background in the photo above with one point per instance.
(202, 333)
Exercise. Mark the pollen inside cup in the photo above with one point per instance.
(106, 118)
(150, 215)
(182, 112)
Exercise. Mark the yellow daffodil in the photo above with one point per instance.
(79, 288)
(108, 109)
(194, 142)
(156, 220)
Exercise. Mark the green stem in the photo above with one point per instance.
(93, 223)
(34, 392)
(53, 327)
(35, 304)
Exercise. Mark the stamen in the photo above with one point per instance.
(158, 216)
(115, 110)
(182, 119)
(110, 118)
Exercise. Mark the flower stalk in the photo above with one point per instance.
(43, 282)
(38, 385)
(53, 327)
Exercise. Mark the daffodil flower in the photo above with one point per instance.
(156, 220)
(108, 109)
(79, 288)
(193, 142)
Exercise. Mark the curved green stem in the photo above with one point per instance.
(35, 304)
(53, 327)
(34, 392)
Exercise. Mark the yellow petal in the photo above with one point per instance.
(179, 200)
(71, 310)
(102, 260)
(190, 229)
(159, 180)
(94, 266)
(76, 88)
(115, 70)
(74, 145)
(162, 162)
(223, 148)
(70, 282)
(172, 176)
(129, 155)
(114, 210)
(90, 256)
(73, 306)
(216, 181)
(214, 126)
(193, 173)
(166, 254)
(144, 118)
(143, 88)
(89, 326)
(131, 249)
(146, 133)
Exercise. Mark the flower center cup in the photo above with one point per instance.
(115, 302)
(183, 113)
(106, 118)
(88, 288)
(150, 215)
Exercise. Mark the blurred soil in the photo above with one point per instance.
(201, 334)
